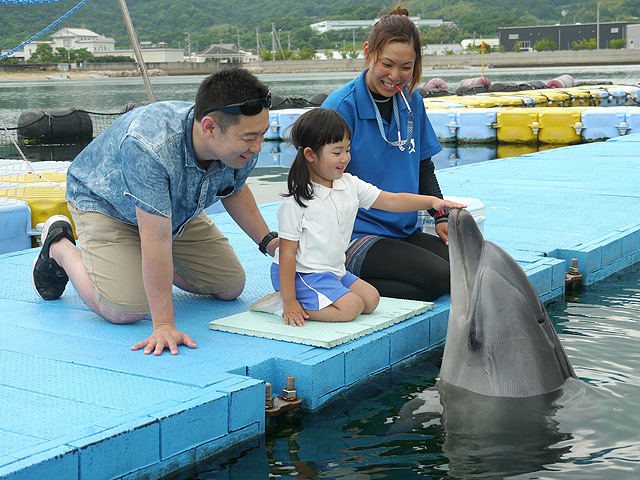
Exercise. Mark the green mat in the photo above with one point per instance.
(321, 334)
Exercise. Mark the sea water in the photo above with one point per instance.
(367, 434)
(110, 95)
(592, 434)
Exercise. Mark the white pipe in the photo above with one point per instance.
(136, 49)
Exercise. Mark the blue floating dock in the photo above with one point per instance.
(78, 404)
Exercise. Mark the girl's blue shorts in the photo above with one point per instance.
(316, 291)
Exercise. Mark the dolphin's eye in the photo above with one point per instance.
(542, 313)
(474, 342)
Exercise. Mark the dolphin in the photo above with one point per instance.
(500, 341)
(504, 373)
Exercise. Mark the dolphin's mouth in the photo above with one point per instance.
(459, 242)
(474, 341)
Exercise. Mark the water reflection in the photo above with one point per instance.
(499, 437)
(43, 153)
(471, 437)
(282, 154)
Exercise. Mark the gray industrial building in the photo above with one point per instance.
(562, 35)
(633, 36)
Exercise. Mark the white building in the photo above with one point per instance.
(442, 48)
(71, 39)
(149, 55)
(477, 42)
(77, 38)
(328, 25)
(633, 36)
(26, 53)
(227, 53)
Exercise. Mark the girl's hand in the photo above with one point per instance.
(442, 204)
(442, 228)
(294, 314)
(442, 231)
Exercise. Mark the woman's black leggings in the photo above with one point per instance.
(415, 268)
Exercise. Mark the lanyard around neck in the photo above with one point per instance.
(401, 144)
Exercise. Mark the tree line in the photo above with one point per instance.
(548, 45)
(245, 23)
(45, 54)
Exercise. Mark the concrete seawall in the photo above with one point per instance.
(513, 60)
(504, 60)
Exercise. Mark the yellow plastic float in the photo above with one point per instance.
(44, 201)
(39, 177)
(582, 98)
(560, 125)
(517, 125)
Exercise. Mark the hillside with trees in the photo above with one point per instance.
(241, 21)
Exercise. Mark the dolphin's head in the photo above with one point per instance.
(500, 340)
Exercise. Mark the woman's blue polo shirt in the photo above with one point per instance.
(375, 161)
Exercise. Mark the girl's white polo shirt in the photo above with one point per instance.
(323, 228)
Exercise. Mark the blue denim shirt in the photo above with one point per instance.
(145, 159)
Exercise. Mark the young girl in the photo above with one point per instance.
(315, 224)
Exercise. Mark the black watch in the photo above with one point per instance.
(262, 246)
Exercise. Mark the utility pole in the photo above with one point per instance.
(258, 41)
(280, 45)
(598, 26)
(188, 45)
(273, 42)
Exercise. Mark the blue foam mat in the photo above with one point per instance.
(86, 398)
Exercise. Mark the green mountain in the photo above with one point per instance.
(230, 21)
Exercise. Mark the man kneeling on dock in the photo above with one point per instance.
(137, 195)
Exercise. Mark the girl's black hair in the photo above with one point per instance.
(313, 129)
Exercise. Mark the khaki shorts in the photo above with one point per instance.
(111, 253)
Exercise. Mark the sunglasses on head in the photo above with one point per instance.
(250, 107)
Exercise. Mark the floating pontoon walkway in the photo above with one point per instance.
(77, 404)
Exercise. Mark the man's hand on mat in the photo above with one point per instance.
(165, 336)
(294, 314)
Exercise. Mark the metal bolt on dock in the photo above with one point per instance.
(573, 277)
(289, 399)
(268, 401)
